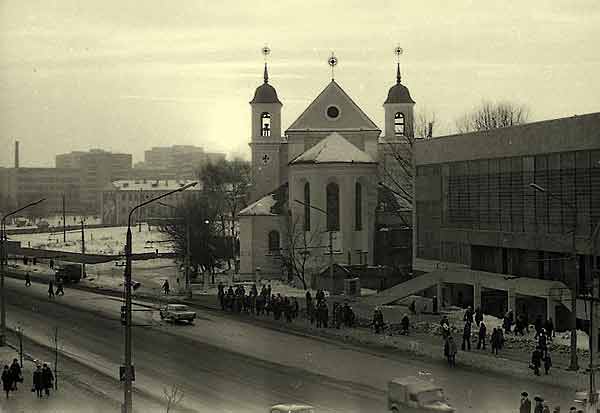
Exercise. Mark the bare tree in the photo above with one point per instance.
(300, 247)
(492, 115)
(173, 396)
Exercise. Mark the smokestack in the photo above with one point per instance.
(16, 154)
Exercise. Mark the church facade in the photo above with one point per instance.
(317, 187)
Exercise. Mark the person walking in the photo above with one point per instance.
(495, 341)
(538, 325)
(7, 380)
(549, 326)
(466, 341)
(539, 407)
(15, 371)
(478, 316)
(59, 287)
(38, 381)
(221, 295)
(468, 315)
(547, 363)
(27, 279)
(525, 404)
(445, 324)
(450, 351)
(166, 287)
(47, 379)
(50, 290)
(378, 320)
(536, 361)
(405, 323)
(481, 335)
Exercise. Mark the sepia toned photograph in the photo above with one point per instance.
(299, 206)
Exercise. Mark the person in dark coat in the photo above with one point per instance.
(536, 361)
(468, 315)
(478, 316)
(547, 363)
(338, 314)
(7, 380)
(295, 308)
(47, 379)
(378, 320)
(27, 279)
(445, 327)
(50, 290)
(59, 287)
(450, 351)
(481, 335)
(166, 287)
(405, 322)
(538, 325)
(466, 341)
(15, 370)
(525, 404)
(495, 341)
(221, 295)
(549, 326)
(38, 381)
(539, 407)
(308, 303)
(543, 342)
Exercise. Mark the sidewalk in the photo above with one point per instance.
(513, 359)
(69, 398)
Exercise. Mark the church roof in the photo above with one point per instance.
(398, 93)
(333, 149)
(265, 93)
(349, 114)
(271, 204)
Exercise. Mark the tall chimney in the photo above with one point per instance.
(16, 154)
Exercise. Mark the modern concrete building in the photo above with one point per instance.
(119, 197)
(182, 161)
(487, 237)
(96, 168)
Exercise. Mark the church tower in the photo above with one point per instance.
(399, 116)
(266, 138)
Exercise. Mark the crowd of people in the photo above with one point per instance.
(267, 303)
(540, 405)
(42, 380)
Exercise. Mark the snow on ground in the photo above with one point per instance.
(98, 240)
(56, 220)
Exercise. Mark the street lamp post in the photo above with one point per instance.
(3, 259)
(574, 364)
(128, 368)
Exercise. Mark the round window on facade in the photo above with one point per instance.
(333, 112)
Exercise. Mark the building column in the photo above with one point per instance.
(512, 301)
(476, 295)
(551, 308)
(440, 295)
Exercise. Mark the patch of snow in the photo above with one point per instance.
(334, 148)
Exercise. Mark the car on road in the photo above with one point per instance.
(411, 394)
(177, 313)
(68, 273)
(292, 408)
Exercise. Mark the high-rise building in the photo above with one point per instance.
(182, 161)
(97, 168)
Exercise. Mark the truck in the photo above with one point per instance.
(411, 394)
(68, 273)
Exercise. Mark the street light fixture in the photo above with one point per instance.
(574, 364)
(3, 259)
(128, 368)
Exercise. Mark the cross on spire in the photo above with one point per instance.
(266, 51)
(398, 52)
(333, 61)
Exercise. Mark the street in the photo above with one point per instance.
(226, 365)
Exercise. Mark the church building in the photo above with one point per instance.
(317, 187)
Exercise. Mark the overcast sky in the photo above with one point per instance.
(127, 75)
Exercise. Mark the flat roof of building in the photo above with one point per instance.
(575, 133)
(152, 185)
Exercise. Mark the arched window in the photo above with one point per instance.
(265, 124)
(274, 242)
(307, 207)
(333, 207)
(399, 123)
(358, 207)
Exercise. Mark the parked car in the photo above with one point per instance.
(177, 313)
(412, 394)
(292, 408)
(69, 273)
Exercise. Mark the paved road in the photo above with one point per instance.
(226, 365)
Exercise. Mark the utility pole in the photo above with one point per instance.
(20, 335)
(188, 231)
(56, 358)
(64, 219)
(331, 255)
(140, 212)
(82, 249)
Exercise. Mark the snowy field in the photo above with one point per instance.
(56, 220)
(98, 240)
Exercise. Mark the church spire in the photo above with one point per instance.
(398, 77)
(266, 75)
(398, 52)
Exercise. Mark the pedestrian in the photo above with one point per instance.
(481, 335)
(38, 381)
(50, 290)
(525, 404)
(507, 322)
(478, 316)
(538, 325)
(539, 407)
(51, 264)
(221, 295)
(547, 363)
(269, 290)
(27, 279)
(339, 316)
(48, 379)
(543, 341)
(445, 324)
(378, 320)
(308, 297)
(295, 308)
(450, 351)
(536, 361)
(495, 341)
(549, 326)
(405, 323)
(166, 287)
(468, 316)
(466, 341)
(15, 371)
(7, 380)
(59, 287)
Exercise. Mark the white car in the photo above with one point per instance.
(292, 408)
(177, 313)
